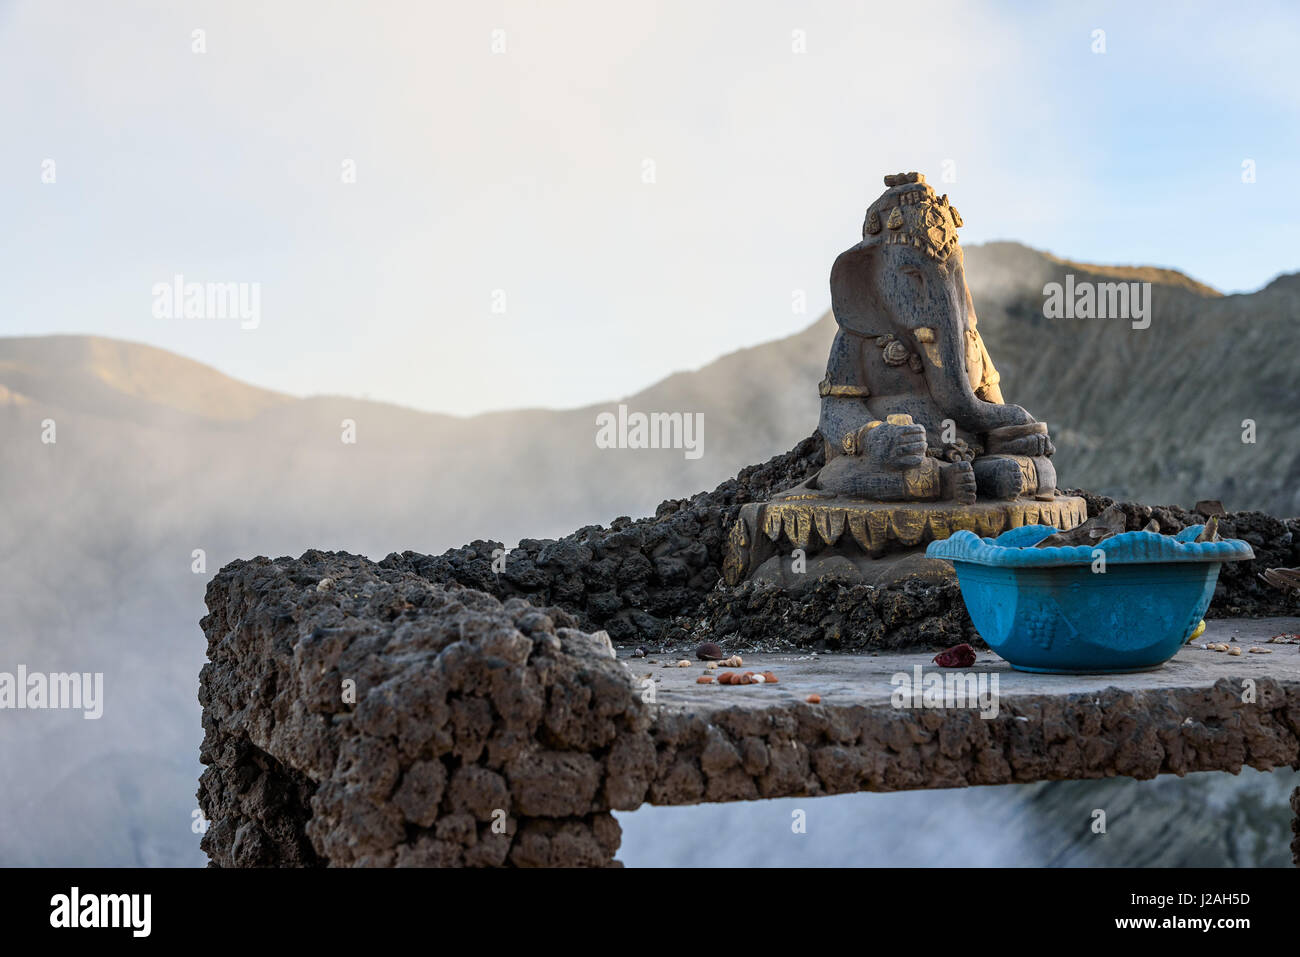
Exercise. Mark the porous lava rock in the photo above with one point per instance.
(357, 714)
(658, 581)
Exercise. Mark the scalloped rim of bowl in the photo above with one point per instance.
(1014, 548)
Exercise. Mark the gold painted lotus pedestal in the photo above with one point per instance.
(792, 542)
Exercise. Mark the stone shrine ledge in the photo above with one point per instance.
(481, 733)
(1202, 711)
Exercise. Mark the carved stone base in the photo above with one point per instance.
(870, 541)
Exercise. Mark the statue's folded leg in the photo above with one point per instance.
(851, 476)
(1007, 476)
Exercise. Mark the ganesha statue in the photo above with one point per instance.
(919, 441)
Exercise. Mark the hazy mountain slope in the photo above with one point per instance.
(125, 380)
(1155, 414)
(1201, 820)
(1108, 391)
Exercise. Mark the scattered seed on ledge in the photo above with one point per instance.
(704, 680)
(813, 699)
(709, 652)
(1256, 650)
(958, 656)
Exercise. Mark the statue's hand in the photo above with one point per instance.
(1011, 416)
(1030, 439)
(889, 446)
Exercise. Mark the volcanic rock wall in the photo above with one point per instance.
(634, 578)
(356, 714)
(654, 581)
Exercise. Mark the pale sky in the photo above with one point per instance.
(524, 170)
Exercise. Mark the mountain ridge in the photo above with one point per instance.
(109, 358)
(1092, 381)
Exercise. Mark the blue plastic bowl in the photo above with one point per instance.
(1046, 609)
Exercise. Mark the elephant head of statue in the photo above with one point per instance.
(905, 286)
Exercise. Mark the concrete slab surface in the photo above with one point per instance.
(867, 680)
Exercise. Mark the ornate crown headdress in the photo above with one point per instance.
(913, 215)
